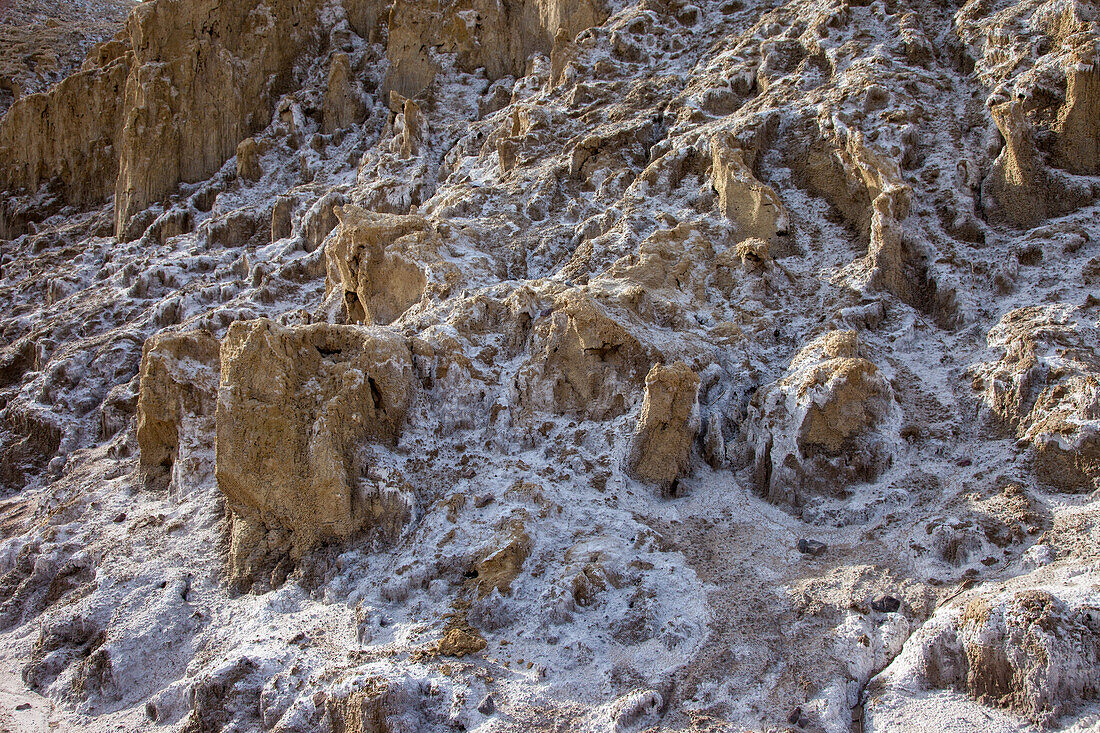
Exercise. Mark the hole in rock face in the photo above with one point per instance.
(328, 352)
(375, 394)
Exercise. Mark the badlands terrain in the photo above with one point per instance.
(550, 365)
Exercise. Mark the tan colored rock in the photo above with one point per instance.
(411, 128)
(70, 133)
(1029, 646)
(1078, 124)
(376, 260)
(827, 423)
(177, 395)
(200, 84)
(754, 206)
(1016, 189)
(584, 361)
(866, 186)
(498, 36)
(343, 104)
(1045, 387)
(1020, 189)
(319, 221)
(296, 408)
(660, 450)
(500, 566)
(754, 254)
(282, 217)
(248, 160)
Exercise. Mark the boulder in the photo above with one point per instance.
(177, 395)
(296, 408)
(660, 449)
(1045, 387)
(830, 421)
(1025, 646)
(378, 262)
(585, 360)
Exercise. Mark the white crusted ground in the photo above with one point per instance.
(113, 602)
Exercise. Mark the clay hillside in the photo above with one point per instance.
(408, 366)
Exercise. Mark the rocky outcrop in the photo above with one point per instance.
(296, 408)
(378, 262)
(343, 104)
(498, 36)
(660, 450)
(827, 423)
(206, 75)
(1078, 124)
(248, 159)
(1020, 189)
(1045, 387)
(585, 361)
(755, 207)
(177, 395)
(866, 187)
(500, 566)
(1031, 650)
(69, 134)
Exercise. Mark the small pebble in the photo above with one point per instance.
(813, 548)
(486, 706)
(23, 706)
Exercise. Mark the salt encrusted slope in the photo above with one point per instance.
(538, 365)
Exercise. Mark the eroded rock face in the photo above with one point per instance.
(1030, 650)
(206, 75)
(343, 105)
(1046, 388)
(378, 262)
(824, 425)
(295, 408)
(755, 207)
(660, 450)
(1078, 123)
(584, 361)
(496, 36)
(1020, 188)
(176, 401)
(70, 133)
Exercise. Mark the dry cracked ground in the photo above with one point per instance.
(550, 365)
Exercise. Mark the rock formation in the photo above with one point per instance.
(374, 262)
(295, 408)
(70, 133)
(1024, 649)
(433, 366)
(660, 450)
(178, 394)
(584, 361)
(497, 36)
(823, 426)
(1045, 387)
(755, 207)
